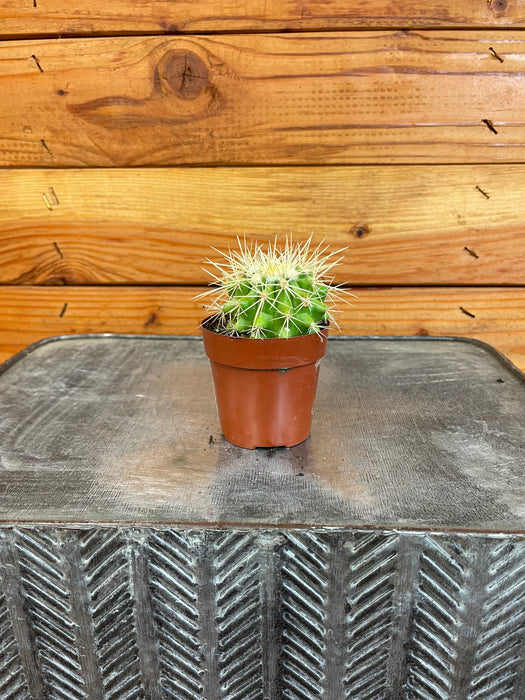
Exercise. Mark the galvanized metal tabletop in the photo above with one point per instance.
(142, 556)
(406, 433)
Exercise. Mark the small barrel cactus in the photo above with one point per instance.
(274, 293)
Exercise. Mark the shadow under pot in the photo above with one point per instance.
(264, 389)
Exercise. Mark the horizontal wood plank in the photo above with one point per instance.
(60, 17)
(361, 97)
(403, 225)
(27, 314)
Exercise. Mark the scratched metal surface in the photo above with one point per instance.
(409, 433)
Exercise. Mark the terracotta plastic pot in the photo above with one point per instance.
(265, 389)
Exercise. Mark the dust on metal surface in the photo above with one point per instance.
(407, 433)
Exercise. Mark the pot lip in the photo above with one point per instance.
(263, 353)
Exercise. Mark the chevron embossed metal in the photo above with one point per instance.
(144, 558)
(191, 620)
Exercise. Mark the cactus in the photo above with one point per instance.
(274, 293)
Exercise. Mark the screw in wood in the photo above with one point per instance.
(467, 313)
(490, 125)
(495, 54)
(35, 59)
(471, 252)
(58, 250)
(44, 144)
(53, 195)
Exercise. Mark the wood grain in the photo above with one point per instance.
(362, 97)
(404, 225)
(495, 315)
(122, 16)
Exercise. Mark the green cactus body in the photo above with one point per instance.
(268, 310)
(273, 293)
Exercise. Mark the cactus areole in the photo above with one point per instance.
(265, 339)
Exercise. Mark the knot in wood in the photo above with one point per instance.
(184, 72)
(360, 230)
(498, 6)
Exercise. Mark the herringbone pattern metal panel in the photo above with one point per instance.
(370, 619)
(237, 594)
(47, 593)
(499, 666)
(123, 613)
(106, 561)
(174, 594)
(12, 681)
(305, 577)
(441, 601)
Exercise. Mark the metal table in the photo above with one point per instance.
(142, 556)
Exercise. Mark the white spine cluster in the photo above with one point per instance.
(275, 292)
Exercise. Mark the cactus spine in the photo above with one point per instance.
(274, 293)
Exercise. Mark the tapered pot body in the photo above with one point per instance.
(265, 389)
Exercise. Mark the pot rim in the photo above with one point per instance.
(263, 353)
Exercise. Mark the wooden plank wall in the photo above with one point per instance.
(136, 135)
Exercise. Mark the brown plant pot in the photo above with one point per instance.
(264, 389)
